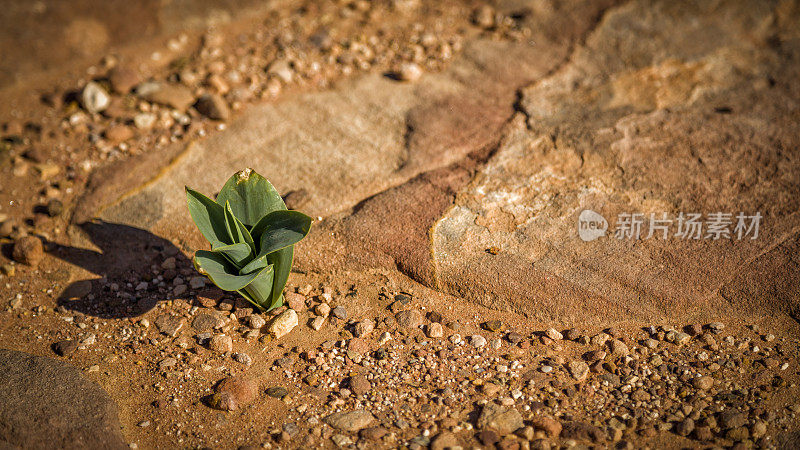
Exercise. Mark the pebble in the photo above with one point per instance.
(359, 385)
(703, 383)
(283, 323)
(123, 79)
(233, 392)
(409, 319)
(578, 369)
(117, 134)
(207, 322)
(66, 347)
(169, 325)
(277, 392)
(350, 420)
(323, 309)
(54, 208)
(221, 343)
(316, 323)
(94, 98)
(144, 121)
(339, 312)
(409, 71)
(243, 358)
(295, 301)
(477, 340)
(28, 250)
(492, 325)
(484, 16)
(173, 95)
(255, 321)
(553, 334)
(213, 106)
(364, 328)
(500, 419)
(434, 330)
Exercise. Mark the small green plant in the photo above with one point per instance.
(252, 237)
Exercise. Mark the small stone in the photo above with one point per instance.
(341, 440)
(578, 369)
(213, 106)
(359, 384)
(243, 358)
(143, 424)
(681, 338)
(197, 282)
(594, 355)
(409, 319)
(323, 309)
(282, 70)
(685, 427)
(173, 95)
(618, 348)
(477, 340)
(484, 16)
(66, 347)
(500, 419)
(123, 79)
(221, 343)
(434, 330)
(283, 323)
(350, 420)
(206, 322)
(553, 334)
(117, 134)
(144, 121)
(550, 426)
(732, 419)
(703, 383)
(295, 301)
(169, 325)
(316, 323)
(514, 337)
(167, 363)
(255, 321)
(339, 312)
(758, 430)
(94, 98)
(358, 346)
(233, 392)
(492, 325)
(54, 208)
(445, 441)
(716, 327)
(28, 250)
(364, 328)
(409, 71)
(277, 392)
(488, 437)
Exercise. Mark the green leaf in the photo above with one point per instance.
(282, 262)
(209, 218)
(251, 196)
(260, 288)
(258, 263)
(280, 229)
(236, 229)
(239, 254)
(221, 272)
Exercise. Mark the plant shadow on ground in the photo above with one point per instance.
(125, 259)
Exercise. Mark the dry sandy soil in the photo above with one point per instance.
(444, 297)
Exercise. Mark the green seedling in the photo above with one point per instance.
(252, 237)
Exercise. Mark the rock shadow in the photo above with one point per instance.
(124, 263)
